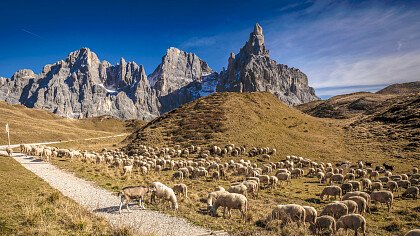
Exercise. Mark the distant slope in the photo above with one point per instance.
(404, 88)
(345, 106)
(35, 125)
(252, 119)
(353, 104)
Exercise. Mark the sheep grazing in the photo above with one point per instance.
(346, 187)
(127, 170)
(162, 191)
(412, 191)
(352, 221)
(311, 214)
(289, 213)
(413, 232)
(240, 188)
(335, 209)
(392, 186)
(133, 193)
(376, 186)
(230, 201)
(366, 196)
(361, 203)
(212, 197)
(178, 175)
(9, 151)
(324, 225)
(366, 184)
(181, 189)
(336, 178)
(351, 205)
(284, 177)
(383, 197)
(331, 191)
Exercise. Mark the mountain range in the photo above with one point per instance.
(83, 86)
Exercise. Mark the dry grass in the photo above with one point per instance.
(33, 125)
(29, 206)
(303, 191)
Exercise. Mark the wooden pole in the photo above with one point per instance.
(8, 135)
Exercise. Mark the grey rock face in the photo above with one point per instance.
(82, 86)
(253, 70)
(178, 69)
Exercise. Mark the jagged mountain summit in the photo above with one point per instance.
(253, 70)
(83, 86)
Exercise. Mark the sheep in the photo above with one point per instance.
(162, 191)
(383, 197)
(356, 185)
(366, 184)
(321, 177)
(143, 170)
(412, 191)
(133, 192)
(415, 170)
(212, 196)
(284, 177)
(335, 209)
(9, 151)
(404, 184)
(240, 188)
(127, 170)
(178, 175)
(338, 178)
(376, 186)
(374, 175)
(216, 175)
(366, 196)
(351, 205)
(361, 203)
(310, 214)
(322, 224)
(289, 212)
(352, 221)
(331, 191)
(392, 186)
(230, 201)
(346, 187)
(252, 187)
(182, 189)
(413, 232)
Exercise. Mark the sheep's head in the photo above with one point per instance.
(213, 211)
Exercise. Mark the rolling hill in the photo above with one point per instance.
(35, 125)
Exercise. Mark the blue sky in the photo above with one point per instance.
(343, 46)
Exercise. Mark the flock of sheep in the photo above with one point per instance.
(354, 186)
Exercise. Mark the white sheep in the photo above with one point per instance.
(323, 224)
(351, 205)
(335, 209)
(239, 188)
(289, 213)
(164, 192)
(383, 197)
(230, 201)
(361, 203)
(310, 214)
(336, 178)
(352, 221)
(331, 191)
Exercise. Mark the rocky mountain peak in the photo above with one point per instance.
(177, 69)
(23, 74)
(253, 70)
(82, 57)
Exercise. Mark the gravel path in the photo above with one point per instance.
(103, 203)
